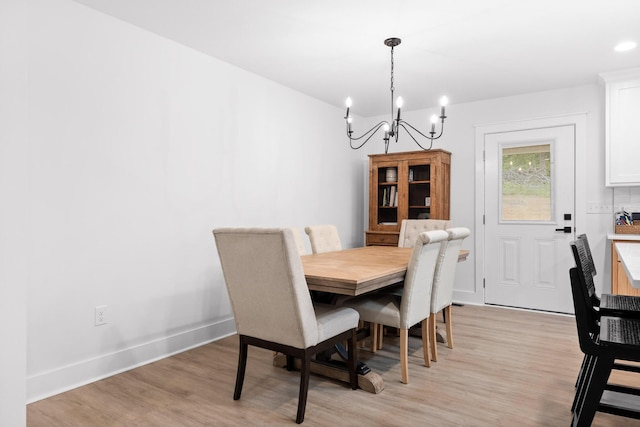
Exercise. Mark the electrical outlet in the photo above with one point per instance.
(101, 315)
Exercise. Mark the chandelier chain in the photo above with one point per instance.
(392, 88)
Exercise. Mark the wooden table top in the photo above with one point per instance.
(359, 270)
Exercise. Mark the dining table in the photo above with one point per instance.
(360, 270)
(629, 256)
(354, 272)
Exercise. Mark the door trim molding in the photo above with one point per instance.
(579, 123)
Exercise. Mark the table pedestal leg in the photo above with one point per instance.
(370, 382)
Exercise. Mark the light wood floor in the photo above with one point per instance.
(508, 368)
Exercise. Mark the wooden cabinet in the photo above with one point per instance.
(619, 280)
(622, 128)
(411, 185)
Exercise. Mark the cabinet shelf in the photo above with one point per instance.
(422, 175)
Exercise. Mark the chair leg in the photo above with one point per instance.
(361, 326)
(447, 317)
(373, 330)
(595, 385)
(432, 335)
(583, 378)
(425, 343)
(290, 363)
(242, 364)
(305, 369)
(380, 335)
(404, 355)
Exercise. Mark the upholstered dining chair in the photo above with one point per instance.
(410, 228)
(272, 306)
(297, 234)
(404, 311)
(442, 294)
(323, 238)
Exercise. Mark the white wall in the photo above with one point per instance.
(13, 213)
(139, 148)
(459, 139)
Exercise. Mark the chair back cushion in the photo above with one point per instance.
(297, 234)
(266, 284)
(410, 228)
(442, 294)
(323, 238)
(418, 281)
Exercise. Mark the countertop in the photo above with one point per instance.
(629, 255)
(623, 237)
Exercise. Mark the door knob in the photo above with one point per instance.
(566, 229)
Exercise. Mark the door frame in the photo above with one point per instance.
(579, 123)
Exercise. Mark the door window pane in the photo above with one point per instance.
(526, 183)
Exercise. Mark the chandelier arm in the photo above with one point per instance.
(370, 132)
(402, 123)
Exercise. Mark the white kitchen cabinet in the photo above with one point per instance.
(622, 140)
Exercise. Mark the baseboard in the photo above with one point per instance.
(47, 384)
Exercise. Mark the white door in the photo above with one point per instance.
(529, 218)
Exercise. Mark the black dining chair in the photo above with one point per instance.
(612, 339)
(610, 305)
(607, 304)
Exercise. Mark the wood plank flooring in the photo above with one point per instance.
(508, 368)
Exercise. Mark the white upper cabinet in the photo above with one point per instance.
(622, 143)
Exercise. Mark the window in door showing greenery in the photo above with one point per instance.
(526, 183)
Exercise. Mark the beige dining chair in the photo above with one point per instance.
(410, 228)
(272, 307)
(404, 311)
(323, 238)
(442, 294)
(409, 231)
(297, 234)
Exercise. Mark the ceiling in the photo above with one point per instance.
(467, 49)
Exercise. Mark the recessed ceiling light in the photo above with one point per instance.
(624, 46)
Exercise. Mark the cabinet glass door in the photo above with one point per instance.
(419, 192)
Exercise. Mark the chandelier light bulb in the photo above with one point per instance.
(385, 127)
(434, 119)
(348, 102)
(399, 102)
(444, 101)
(349, 119)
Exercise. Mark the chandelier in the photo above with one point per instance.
(391, 130)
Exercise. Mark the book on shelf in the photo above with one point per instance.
(392, 196)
